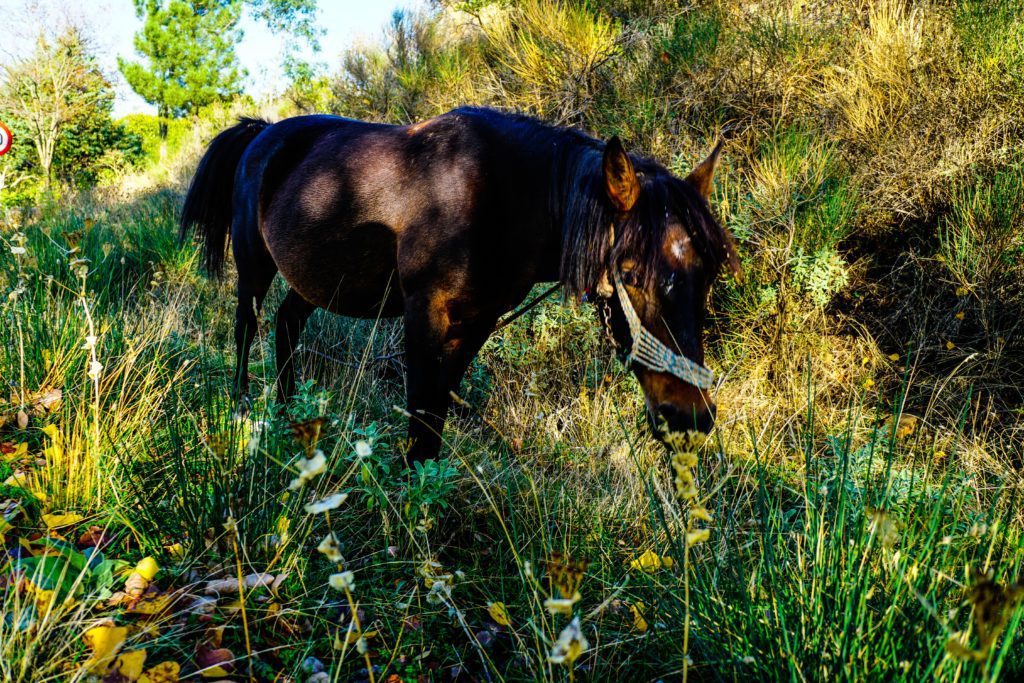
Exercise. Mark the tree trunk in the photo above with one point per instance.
(163, 116)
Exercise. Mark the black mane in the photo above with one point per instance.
(585, 215)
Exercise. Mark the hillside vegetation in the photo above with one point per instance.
(862, 486)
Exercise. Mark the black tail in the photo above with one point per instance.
(209, 199)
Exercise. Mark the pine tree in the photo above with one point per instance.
(190, 49)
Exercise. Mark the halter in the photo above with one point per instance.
(647, 350)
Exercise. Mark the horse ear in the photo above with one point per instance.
(619, 176)
(702, 176)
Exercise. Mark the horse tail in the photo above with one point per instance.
(207, 207)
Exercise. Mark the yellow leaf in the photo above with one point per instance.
(894, 357)
(499, 613)
(52, 432)
(960, 315)
(129, 665)
(150, 605)
(176, 551)
(165, 672)
(104, 641)
(650, 562)
(639, 623)
(148, 568)
(906, 426)
(868, 383)
(215, 671)
(58, 521)
(20, 451)
(950, 346)
(697, 536)
(351, 637)
(961, 291)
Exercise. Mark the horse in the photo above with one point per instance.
(449, 223)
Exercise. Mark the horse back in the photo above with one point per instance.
(356, 215)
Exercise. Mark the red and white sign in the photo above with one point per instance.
(5, 139)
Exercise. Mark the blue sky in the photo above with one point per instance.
(112, 23)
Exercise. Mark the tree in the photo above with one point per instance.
(189, 48)
(57, 84)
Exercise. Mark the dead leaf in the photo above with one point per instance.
(639, 622)
(214, 661)
(230, 585)
(94, 537)
(127, 668)
(906, 426)
(651, 562)
(104, 641)
(499, 613)
(152, 603)
(58, 521)
(165, 672)
(22, 419)
(49, 400)
(135, 585)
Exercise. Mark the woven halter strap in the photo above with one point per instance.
(648, 350)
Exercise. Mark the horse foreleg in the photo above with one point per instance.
(291, 319)
(438, 351)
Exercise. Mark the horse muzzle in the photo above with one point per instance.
(670, 418)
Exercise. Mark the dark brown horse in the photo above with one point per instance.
(449, 223)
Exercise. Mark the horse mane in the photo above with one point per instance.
(585, 214)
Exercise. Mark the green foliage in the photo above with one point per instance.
(858, 574)
(58, 99)
(189, 48)
(146, 128)
(982, 243)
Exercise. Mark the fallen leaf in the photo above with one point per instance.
(637, 610)
(94, 537)
(104, 641)
(230, 585)
(58, 521)
(49, 400)
(135, 585)
(151, 605)
(214, 661)
(165, 672)
(906, 426)
(127, 668)
(499, 613)
(651, 562)
(147, 568)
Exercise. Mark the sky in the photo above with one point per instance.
(112, 24)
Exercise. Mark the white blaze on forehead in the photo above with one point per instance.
(680, 246)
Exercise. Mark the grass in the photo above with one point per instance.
(863, 483)
(837, 548)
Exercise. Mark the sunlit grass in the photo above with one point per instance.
(861, 492)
